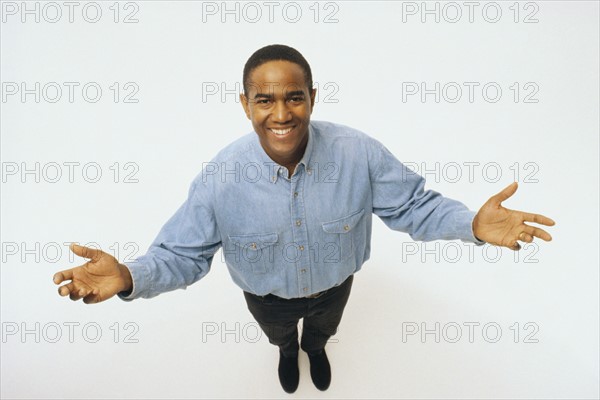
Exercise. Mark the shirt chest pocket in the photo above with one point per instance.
(339, 233)
(254, 252)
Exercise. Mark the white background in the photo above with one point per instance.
(172, 53)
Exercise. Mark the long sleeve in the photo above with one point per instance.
(403, 204)
(182, 252)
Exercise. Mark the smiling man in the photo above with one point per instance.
(296, 230)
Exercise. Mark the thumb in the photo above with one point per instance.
(86, 252)
(505, 193)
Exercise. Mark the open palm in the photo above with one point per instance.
(97, 280)
(501, 226)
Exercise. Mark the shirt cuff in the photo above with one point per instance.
(140, 277)
(472, 237)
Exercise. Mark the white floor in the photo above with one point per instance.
(172, 359)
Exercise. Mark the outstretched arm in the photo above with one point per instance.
(180, 255)
(501, 226)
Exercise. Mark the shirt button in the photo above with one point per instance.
(295, 194)
(298, 222)
(346, 227)
(303, 270)
(253, 245)
(274, 178)
(305, 289)
(301, 248)
(309, 171)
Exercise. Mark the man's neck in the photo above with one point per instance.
(291, 168)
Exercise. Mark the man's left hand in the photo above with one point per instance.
(500, 226)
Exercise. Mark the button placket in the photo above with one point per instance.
(300, 232)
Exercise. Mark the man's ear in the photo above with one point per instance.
(244, 101)
(313, 95)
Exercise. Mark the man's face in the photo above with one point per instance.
(279, 105)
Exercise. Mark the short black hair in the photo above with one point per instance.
(275, 52)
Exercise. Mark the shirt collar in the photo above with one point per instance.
(305, 160)
(274, 169)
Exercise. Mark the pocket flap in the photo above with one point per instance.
(254, 241)
(345, 224)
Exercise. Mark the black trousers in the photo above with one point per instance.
(278, 318)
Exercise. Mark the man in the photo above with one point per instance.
(296, 224)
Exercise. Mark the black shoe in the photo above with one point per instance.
(289, 375)
(320, 370)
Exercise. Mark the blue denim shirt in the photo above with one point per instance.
(299, 235)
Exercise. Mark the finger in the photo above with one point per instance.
(91, 298)
(86, 252)
(75, 295)
(79, 292)
(538, 219)
(505, 193)
(66, 289)
(516, 246)
(62, 276)
(525, 237)
(537, 232)
(75, 291)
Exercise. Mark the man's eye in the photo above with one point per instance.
(262, 101)
(297, 99)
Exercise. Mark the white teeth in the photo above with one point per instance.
(281, 131)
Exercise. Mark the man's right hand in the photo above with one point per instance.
(97, 280)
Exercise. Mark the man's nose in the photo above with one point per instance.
(281, 113)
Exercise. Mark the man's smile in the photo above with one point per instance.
(281, 132)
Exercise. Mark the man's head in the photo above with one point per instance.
(278, 98)
(276, 52)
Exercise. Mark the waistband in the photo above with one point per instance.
(314, 295)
